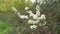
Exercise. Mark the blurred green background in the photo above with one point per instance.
(10, 22)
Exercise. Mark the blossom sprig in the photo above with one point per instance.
(19, 14)
(33, 26)
(36, 18)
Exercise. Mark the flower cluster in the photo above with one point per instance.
(36, 18)
(33, 19)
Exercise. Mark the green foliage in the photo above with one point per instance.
(4, 27)
(5, 5)
(52, 12)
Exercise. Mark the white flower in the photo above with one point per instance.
(42, 17)
(33, 22)
(26, 8)
(35, 17)
(23, 16)
(29, 11)
(38, 13)
(33, 26)
(37, 7)
(31, 14)
(18, 13)
(14, 9)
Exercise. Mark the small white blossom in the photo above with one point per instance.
(37, 7)
(38, 13)
(30, 14)
(33, 26)
(35, 17)
(29, 11)
(23, 16)
(26, 8)
(18, 13)
(33, 22)
(14, 9)
(42, 17)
